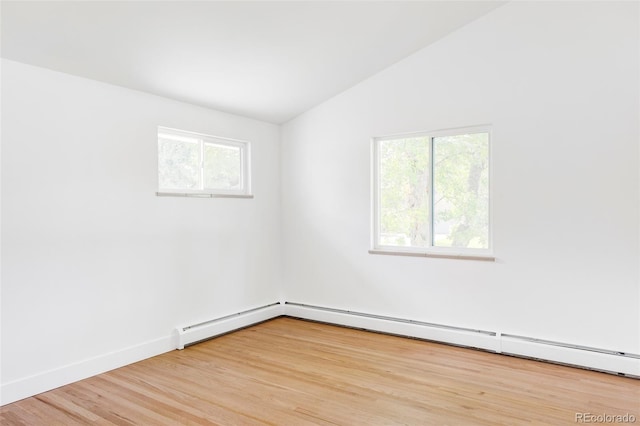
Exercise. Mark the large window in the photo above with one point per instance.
(194, 164)
(431, 193)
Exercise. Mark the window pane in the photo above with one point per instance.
(178, 164)
(404, 173)
(222, 167)
(461, 191)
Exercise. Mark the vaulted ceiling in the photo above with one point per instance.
(266, 60)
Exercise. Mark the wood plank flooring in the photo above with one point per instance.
(292, 372)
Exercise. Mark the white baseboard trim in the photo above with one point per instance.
(38, 383)
(48, 380)
(579, 356)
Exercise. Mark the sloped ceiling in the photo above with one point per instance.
(265, 60)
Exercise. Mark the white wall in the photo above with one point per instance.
(559, 83)
(93, 263)
(96, 267)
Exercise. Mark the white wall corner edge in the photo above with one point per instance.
(38, 383)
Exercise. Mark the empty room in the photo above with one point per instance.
(320, 212)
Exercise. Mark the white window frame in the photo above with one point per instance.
(431, 250)
(245, 159)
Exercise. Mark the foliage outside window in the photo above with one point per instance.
(431, 192)
(191, 163)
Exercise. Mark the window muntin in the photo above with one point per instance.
(192, 163)
(431, 192)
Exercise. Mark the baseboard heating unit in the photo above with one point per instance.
(480, 339)
(194, 333)
(608, 361)
(621, 363)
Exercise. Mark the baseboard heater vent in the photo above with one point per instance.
(481, 339)
(198, 332)
(608, 361)
(387, 318)
(570, 346)
(604, 360)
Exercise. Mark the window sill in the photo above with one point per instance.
(201, 195)
(461, 256)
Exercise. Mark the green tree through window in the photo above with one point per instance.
(432, 191)
(461, 191)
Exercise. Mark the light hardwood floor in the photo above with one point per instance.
(292, 372)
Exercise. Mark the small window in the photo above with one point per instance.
(431, 193)
(194, 164)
